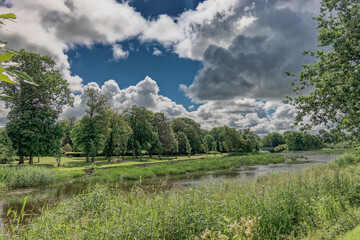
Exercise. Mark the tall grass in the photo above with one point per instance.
(32, 176)
(317, 203)
(26, 176)
(135, 173)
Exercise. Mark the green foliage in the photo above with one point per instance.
(7, 153)
(183, 143)
(67, 148)
(139, 119)
(164, 132)
(281, 148)
(192, 131)
(319, 203)
(117, 135)
(334, 76)
(272, 140)
(90, 131)
(346, 159)
(35, 109)
(27, 176)
(68, 125)
(183, 167)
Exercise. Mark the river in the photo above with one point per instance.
(39, 198)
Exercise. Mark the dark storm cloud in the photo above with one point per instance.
(71, 28)
(254, 64)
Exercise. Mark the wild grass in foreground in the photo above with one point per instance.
(32, 176)
(226, 162)
(318, 203)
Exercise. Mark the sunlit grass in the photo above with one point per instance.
(318, 203)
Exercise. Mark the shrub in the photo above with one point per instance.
(346, 159)
(281, 148)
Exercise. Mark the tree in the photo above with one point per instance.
(117, 135)
(295, 140)
(208, 143)
(90, 131)
(139, 119)
(165, 132)
(192, 131)
(251, 141)
(312, 141)
(334, 76)
(34, 109)
(7, 153)
(68, 125)
(272, 140)
(183, 143)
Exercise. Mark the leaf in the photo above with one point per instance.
(6, 57)
(22, 75)
(8, 15)
(5, 78)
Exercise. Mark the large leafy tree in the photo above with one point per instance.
(35, 108)
(334, 78)
(89, 133)
(165, 132)
(184, 146)
(272, 140)
(140, 119)
(118, 134)
(192, 131)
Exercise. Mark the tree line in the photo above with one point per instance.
(33, 129)
(297, 141)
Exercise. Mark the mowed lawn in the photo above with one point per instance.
(79, 163)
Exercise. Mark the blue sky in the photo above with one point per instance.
(96, 64)
(219, 62)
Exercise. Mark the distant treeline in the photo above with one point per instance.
(297, 141)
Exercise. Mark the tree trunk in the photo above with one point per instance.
(88, 157)
(93, 159)
(109, 158)
(38, 159)
(21, 160)
(31, 159)
(134, 152)
(150, 154)
(159, 156)
(220, 153)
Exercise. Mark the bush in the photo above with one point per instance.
(346, 159)
(281, 148)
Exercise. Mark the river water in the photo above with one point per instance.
(39, 198)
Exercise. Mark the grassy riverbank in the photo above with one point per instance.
(40, 175)
(182, 167)
(318, 203)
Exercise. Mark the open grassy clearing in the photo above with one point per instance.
(318, 203)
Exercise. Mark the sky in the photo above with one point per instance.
(219, 62)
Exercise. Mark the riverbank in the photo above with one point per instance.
(39, 175)
(318, 203)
